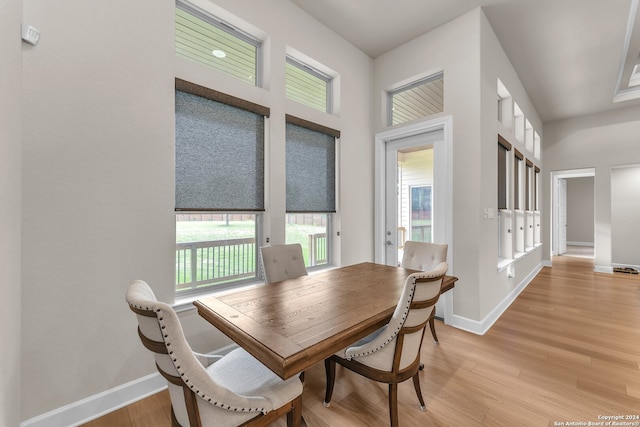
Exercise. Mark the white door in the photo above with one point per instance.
(395, 143)
(562, 216)
(409, 189)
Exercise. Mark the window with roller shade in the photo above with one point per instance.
(310, 188)
(517, 179)
(503, 148)
(528, 185)
(219, 188)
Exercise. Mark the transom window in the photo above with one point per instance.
(307, 85)
(419, 99)
(207, 40)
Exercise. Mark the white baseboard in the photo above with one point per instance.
(603, 269)
(100, 404)
(95, 406)
(589, 244)
(480, 327)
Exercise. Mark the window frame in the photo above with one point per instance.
(216, 286)
(229, 29)
(407, 87)
(328, 80)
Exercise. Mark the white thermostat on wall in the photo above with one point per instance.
(30, 34)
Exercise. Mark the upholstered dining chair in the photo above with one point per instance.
(392, 354)
(281, 262)
(424, 256)
(234, 390)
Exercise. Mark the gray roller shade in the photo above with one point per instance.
(310, 169)
(219, 156)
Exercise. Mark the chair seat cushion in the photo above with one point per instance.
(243, 374)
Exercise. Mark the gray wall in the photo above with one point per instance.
(10, 208)
(580, 211)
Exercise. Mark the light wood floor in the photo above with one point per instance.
(567, 350)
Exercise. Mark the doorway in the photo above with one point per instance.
(573, 217)
(413, 196)
(409, 177)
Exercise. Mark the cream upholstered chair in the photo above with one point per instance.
(234, 390)
(281, 262)
(424, 256)
(392, 354)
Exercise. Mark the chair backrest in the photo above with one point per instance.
(423, 256)
(397, 346)
(142, 301)
(281, 262)
(195, 397)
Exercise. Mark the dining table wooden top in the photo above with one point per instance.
(293, 324)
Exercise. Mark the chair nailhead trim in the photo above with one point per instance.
(167, 344)
(395, 333)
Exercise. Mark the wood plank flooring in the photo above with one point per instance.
(567, 350)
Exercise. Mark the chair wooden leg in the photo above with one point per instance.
(416, 384)
(330, 371)
(393, 404)
(294, 417)
(432, 326)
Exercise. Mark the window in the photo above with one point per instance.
(528, 186)
(205, 39)
(308, 85)
(536, 145)
(422, 98)
(503, 147)
(312, 231)
(310, 188)
(536, 189)
(518, 122)
(528, 135)
(219, 172)
(517, 179)
(421, 202)
(505, 106)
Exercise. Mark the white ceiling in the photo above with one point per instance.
(567, 53)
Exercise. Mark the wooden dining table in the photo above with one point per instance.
(293, 324)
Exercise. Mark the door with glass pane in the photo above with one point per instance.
(409, 180)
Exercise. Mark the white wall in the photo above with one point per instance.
(99, 176)
(496, 287)
(10, 208)
(580, 207)
(625, 211)
(472, 59)
(454, 48)
(599, 141)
